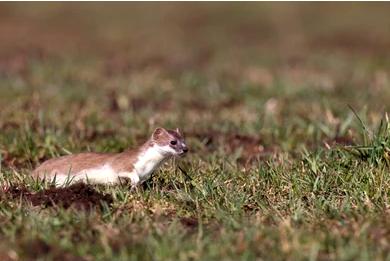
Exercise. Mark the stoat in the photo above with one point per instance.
(135, 165)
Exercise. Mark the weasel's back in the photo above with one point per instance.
(71, 164)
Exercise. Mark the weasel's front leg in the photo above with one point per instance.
(132, 176)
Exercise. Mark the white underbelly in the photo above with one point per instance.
(101, 175)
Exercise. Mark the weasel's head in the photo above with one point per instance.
(169, 142)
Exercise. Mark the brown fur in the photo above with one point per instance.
(125, 161)
(163, 137)
(72, 164)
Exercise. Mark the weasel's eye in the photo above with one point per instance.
(173, 142)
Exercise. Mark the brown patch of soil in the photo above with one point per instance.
(38, 248)
(79, 196)
(15, 64)
(92, 134)
(353, 41)
(12, 161)
(251, 146)
(14, 192)
(199, 105)
(9, 125)
(168, 216)
(343, 140)
(189, 222)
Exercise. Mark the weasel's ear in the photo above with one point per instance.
(178, 131)
(158, 132)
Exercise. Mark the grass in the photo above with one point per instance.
(281, 168)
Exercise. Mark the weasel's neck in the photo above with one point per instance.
(149, 158)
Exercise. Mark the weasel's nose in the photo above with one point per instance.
(185, 149)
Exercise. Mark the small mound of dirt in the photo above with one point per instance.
(189, 222)
(341, 140)
(11, 160)
(251, 146)
(37, 249)
(15, 192)
(79, 196)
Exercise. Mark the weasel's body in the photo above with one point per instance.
(136, 165)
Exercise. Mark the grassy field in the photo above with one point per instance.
(283, 107)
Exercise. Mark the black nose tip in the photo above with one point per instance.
(185, 150)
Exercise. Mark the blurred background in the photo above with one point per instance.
(92, 70)
(186, 36)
